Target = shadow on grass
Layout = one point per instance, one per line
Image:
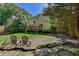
(39, 33)
(32, 33)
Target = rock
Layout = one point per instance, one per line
(54, 51)
(41, 46)
(42, 52)
(64, 52)
(51, 45)
(36, 52)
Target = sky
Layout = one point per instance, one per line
(33, 8)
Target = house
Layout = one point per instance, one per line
(38, 23)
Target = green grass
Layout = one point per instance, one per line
(19, 35)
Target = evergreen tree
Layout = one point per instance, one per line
(17, 26)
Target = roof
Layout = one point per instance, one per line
(39, 16)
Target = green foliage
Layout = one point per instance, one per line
(5, 13)
(17, 26)
(8, 10)
(60, 14)
(53, 29)
(46, 31)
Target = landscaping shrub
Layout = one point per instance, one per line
(53, 29)
(47, 31)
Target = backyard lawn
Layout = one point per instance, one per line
(19, 35)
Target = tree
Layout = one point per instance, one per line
(5, 13)
(9, 10)
(17, 26)
(66, 15)
(58, 14)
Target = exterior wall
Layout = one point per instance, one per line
(40, 21)
(4, 29)
(1, 29)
